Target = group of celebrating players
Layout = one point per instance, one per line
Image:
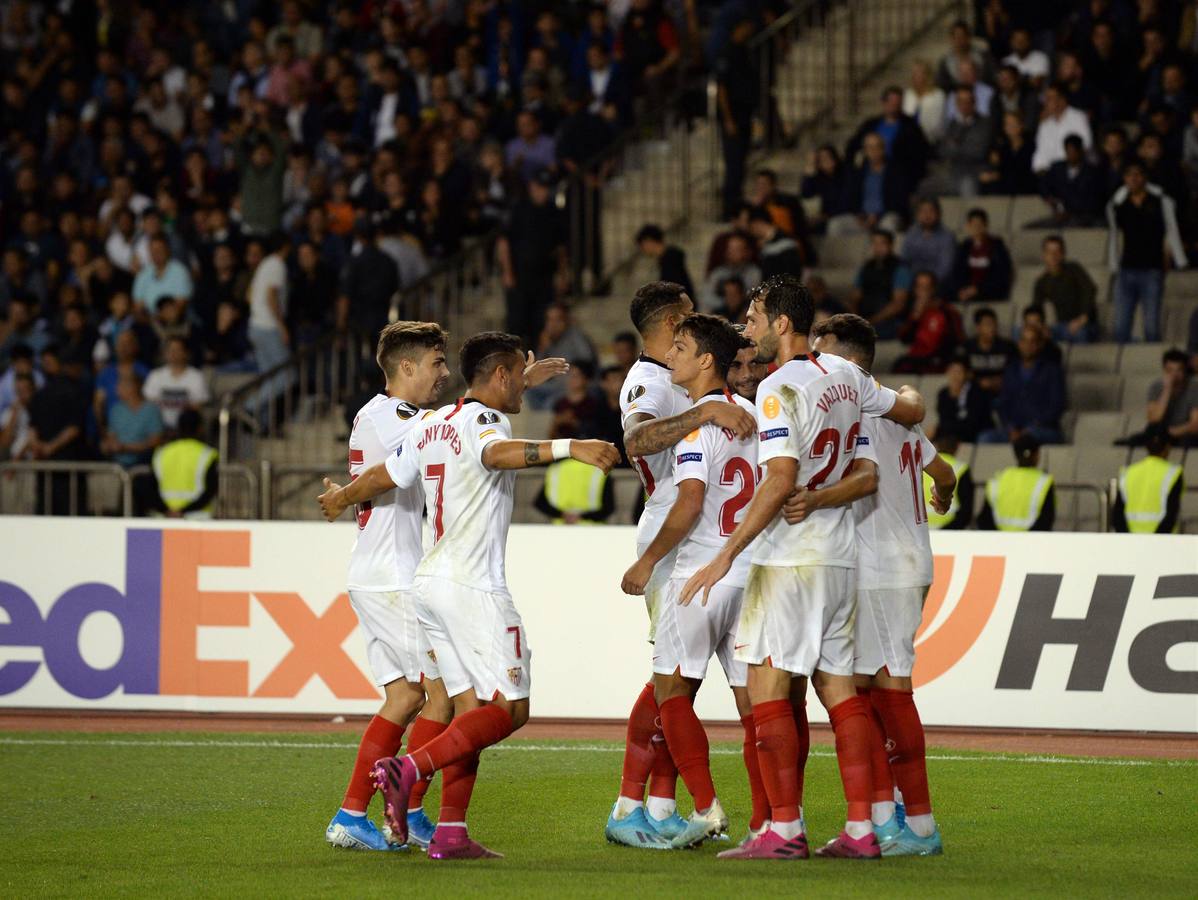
(784, 532)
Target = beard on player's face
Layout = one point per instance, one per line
(767, 347)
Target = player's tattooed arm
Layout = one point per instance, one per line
(771, 494)
(336, 499)
(645, 436)
(683, 515)
(517, 454)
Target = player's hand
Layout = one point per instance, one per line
(799, 505)
(637, 577)
(538, 372)
(599, 454)
(735, 419)
(705, 579)
(332, 501)
(940, 504)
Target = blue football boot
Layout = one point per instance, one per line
(420, 828)
(634, 830)
(908, 843)
(357, 833)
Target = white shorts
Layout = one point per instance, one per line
(396, 646)
(478, 638)
(886, 624)
(657, 586)
(800, 618)
(688, 636)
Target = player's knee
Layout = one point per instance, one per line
(667, 687)
(518, 710)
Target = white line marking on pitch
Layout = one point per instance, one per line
(565, 748)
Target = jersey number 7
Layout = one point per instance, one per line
(436, 472)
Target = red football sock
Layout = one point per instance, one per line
(663, 778)
(689, 748)
(850, 724)
(423, 731)
(638, 745)
(900, 719)
(381, 738)
(761, 803)
(457, 784)
(804, 730)
(777, 754)
(467, 734)
(879, 759)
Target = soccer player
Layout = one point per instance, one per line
(656, 414)
(381, 568)
(746, 373)
(894, 572)
(465, 458)
(714, 474)
(800, 599)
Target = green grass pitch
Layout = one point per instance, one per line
(244, 815)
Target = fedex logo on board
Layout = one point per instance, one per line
(160, 612)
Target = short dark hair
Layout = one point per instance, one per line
(484, 353)
(407, 340)
(610, 370)
(1173, 354)
(189, 423)
(650, 232)
(1157, 438)
(978, 213)
(1033, 310)
(882, 233)
(653, 299)
(1025, 447)
(625, 337)
(768, 173)
(1053, 239)
(758, 214)
(947, 438)
(984, 313)
(21, 351)
(853, 333)
(785, 295)
(585, 366)
(1074, 140)
(714, 335)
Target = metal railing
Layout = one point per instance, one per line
(1100, 493)
(64, 488)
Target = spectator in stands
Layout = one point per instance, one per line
(821, 298)
(1173, 399)
(1032, 399)
(1191, 346)
(261, 163)
(22, 326)
(1009, 162)
(649, 47)
(1148, 500)
(608, 422)
(312, 296)
(57, 429)
(1021, 497)
(1033, 317)
(576, 408)
(1079, 93)
(1057, 122)
(931, 328)
(1161, 167)
(184, 480)
(902, 137)
(784, 210)
(20, 364)
(982, 268)
(824, 180)
(163, 277)
(1073, 188)
(735, 300)
(15, 427)
(533, 262)
(625, 349)
(1030, 63)
(1011, 95)
(176, 385)
(738, 226)
(1110, 70)
(530, 151)
(560, 338)
(19, 279)
(924, 101)
(779, 253)
(134, 426)
(268, 296)
(875, 194)
(670, 259)
(963, 409)
(963, 48)
(581, 136)
(881, 287)
(738, 263)
(930, 245)
(1070, 291)
(125, 361)
(982, 94)
(737, 86)
(1142, 215)
(960, 512)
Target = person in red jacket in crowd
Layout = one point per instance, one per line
(933, 328)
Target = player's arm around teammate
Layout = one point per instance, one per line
(678, 524)
(861, 481)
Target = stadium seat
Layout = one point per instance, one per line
(929, 388)
(989, 458)
(952, 215)
(844, 252)
(1141, 359)
(1087, 246)
(1093, 358)
(1060, 461)
(840, 278)
(1096, 465)
(1024, 284)
(1027, 209)
(1135, 396)
(1025, 246)
(1182, 285)
(1098, 428)
(1175, 329)
(885, 353)
(1090, 391)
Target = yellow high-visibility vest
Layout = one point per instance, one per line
(1016, 497)
(181, 468)
(1145, 487)
(574, 487)
(935, 519)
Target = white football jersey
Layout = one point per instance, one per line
(389, 541)
(727, 466)
(469, 506)
(648, 389)
(893, 547)
(810, 410)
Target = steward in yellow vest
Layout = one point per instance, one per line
(960, 513)
(575, 493)
(1149, 497)
(1020, 498)
(186, 473)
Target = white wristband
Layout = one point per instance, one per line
(560, 448)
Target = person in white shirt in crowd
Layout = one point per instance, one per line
(983, 94)
(268, 309)
(924, 102)
(177, 385)
(1032, 64)
(1057, 122)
